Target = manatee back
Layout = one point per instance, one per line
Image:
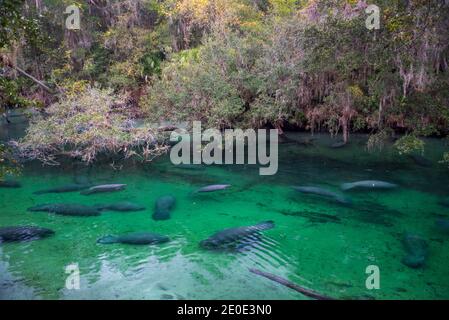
(23, 233)
(163, 207)
(416, 249)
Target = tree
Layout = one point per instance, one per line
(88, 125)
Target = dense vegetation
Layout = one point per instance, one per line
(304, 65)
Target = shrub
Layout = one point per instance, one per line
(409, 144)
(84, 126)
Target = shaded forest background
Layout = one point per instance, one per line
(293, 65)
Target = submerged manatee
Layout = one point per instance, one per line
(163, 207)
(417, 251)
(214, 187)
(230, 238)
(65, 188)
(104, 188)
(444, 202)
(443, 225)
(123, 206)
(10, 184)
(421, 160)
(67, 209)
(138, 238)
(338, 145)
(323, 192)
(23, 233)
(368, 184)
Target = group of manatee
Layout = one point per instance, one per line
(343, 199)
(416, 248)
(162, 210)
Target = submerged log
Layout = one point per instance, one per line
(291, 285)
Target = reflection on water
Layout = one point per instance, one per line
(320, 244)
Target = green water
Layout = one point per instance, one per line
(316, 243)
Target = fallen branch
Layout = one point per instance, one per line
(291, 285)
(37, 81)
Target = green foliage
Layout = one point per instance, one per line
(14, 25)
(283, 7)
(311, 69)
(310, 64)
(91, 123)
(8, 165)
(151, 63)
(408, 144)
(213, 84)
(10, 94)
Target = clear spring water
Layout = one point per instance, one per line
(316, 243)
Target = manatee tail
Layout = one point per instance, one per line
(266, 225)
(40, 192)
(347, 186)
(108, 240)
(86, 192)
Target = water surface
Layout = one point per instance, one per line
(318, 244)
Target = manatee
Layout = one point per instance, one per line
(233, 237)
(167, 128)
(443, 225)
(417, 251)
(444, 202)
(420, 160)
(322, 192)
(123, 206)
(339, 144)
(163, 207)
(67, 209)
(214, 187)
(104, 188)
(368, 184)
(23, 233)
(138, 238)
(65, 188)
(10, 184)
